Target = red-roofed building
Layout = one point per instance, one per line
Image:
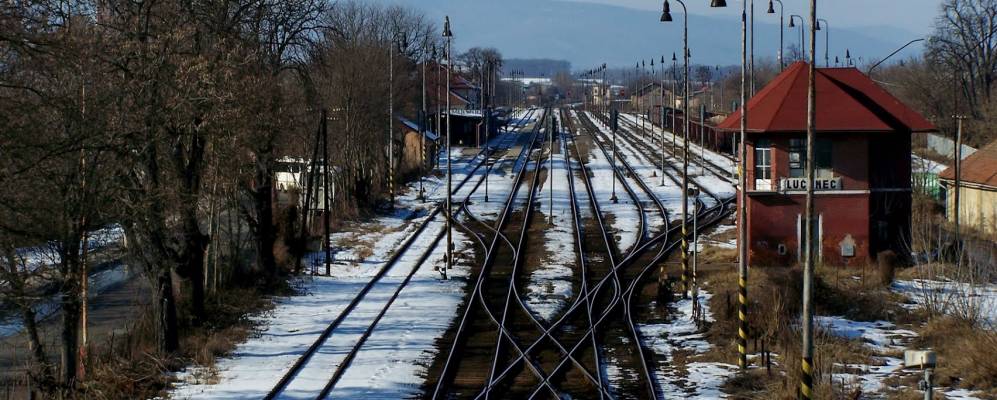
(862, 155)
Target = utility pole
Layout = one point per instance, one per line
(448, 34)
(742, 218)
(958, 189)
(423, 121)
(807, 381)
(326, 198)
(391, 119)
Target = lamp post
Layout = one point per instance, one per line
(672, 107)
(827, 39)
(666, 16)
(448, 34)
(782, 14)
(793, 25)
(662, 101)
(742, 262)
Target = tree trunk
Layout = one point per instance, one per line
(70, 327)
(169, 340)
(263, 202)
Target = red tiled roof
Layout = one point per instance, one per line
(979, 168)
(847, 101)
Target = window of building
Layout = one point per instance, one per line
(823, 150)
(763, 164)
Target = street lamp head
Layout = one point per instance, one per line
(791, 24)
(673, 57)
(662, 60)
(771, 8)
(446, 28)
(718, 3)
(817, 27)
(666, 13)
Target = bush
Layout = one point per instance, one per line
(888, 262)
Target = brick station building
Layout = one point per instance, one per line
(863, 173)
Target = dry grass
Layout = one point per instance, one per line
(774, 308)
(130, 367)
(965, 354)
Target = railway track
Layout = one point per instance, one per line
(288, 378)
(500, 349)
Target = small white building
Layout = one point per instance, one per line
(290, 181)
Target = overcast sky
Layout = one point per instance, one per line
(916, 16)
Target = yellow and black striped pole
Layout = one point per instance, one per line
(742, 322)
(807, 370)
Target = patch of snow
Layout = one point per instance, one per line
(951, 297)
(701, 380)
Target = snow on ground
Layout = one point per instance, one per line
(700, 380)
(883, 337)
(710, 239)
(951, 297)
(721, 186)
(394, 360)
(670, 193)
(888, 342)
(623, 217)
(550, 289)
(723, 161)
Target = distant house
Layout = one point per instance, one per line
(289, 185)
(416, 148)
(977, 190)
(924, 176)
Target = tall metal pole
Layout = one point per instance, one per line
(672, 106)
(958, 189)
(663, 110)
(807, 381)
(751, 66)
(326, 198)
(391, 120)
(782, 13)
(826, 27)
(424, 120)
(439, 111)
(685, 152)
(449, 55)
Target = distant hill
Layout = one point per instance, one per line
(588, 34)
(537, 67)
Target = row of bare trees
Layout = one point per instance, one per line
(169, 117)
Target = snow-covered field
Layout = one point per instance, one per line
(392, 363)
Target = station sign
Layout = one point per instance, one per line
(800, 184)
